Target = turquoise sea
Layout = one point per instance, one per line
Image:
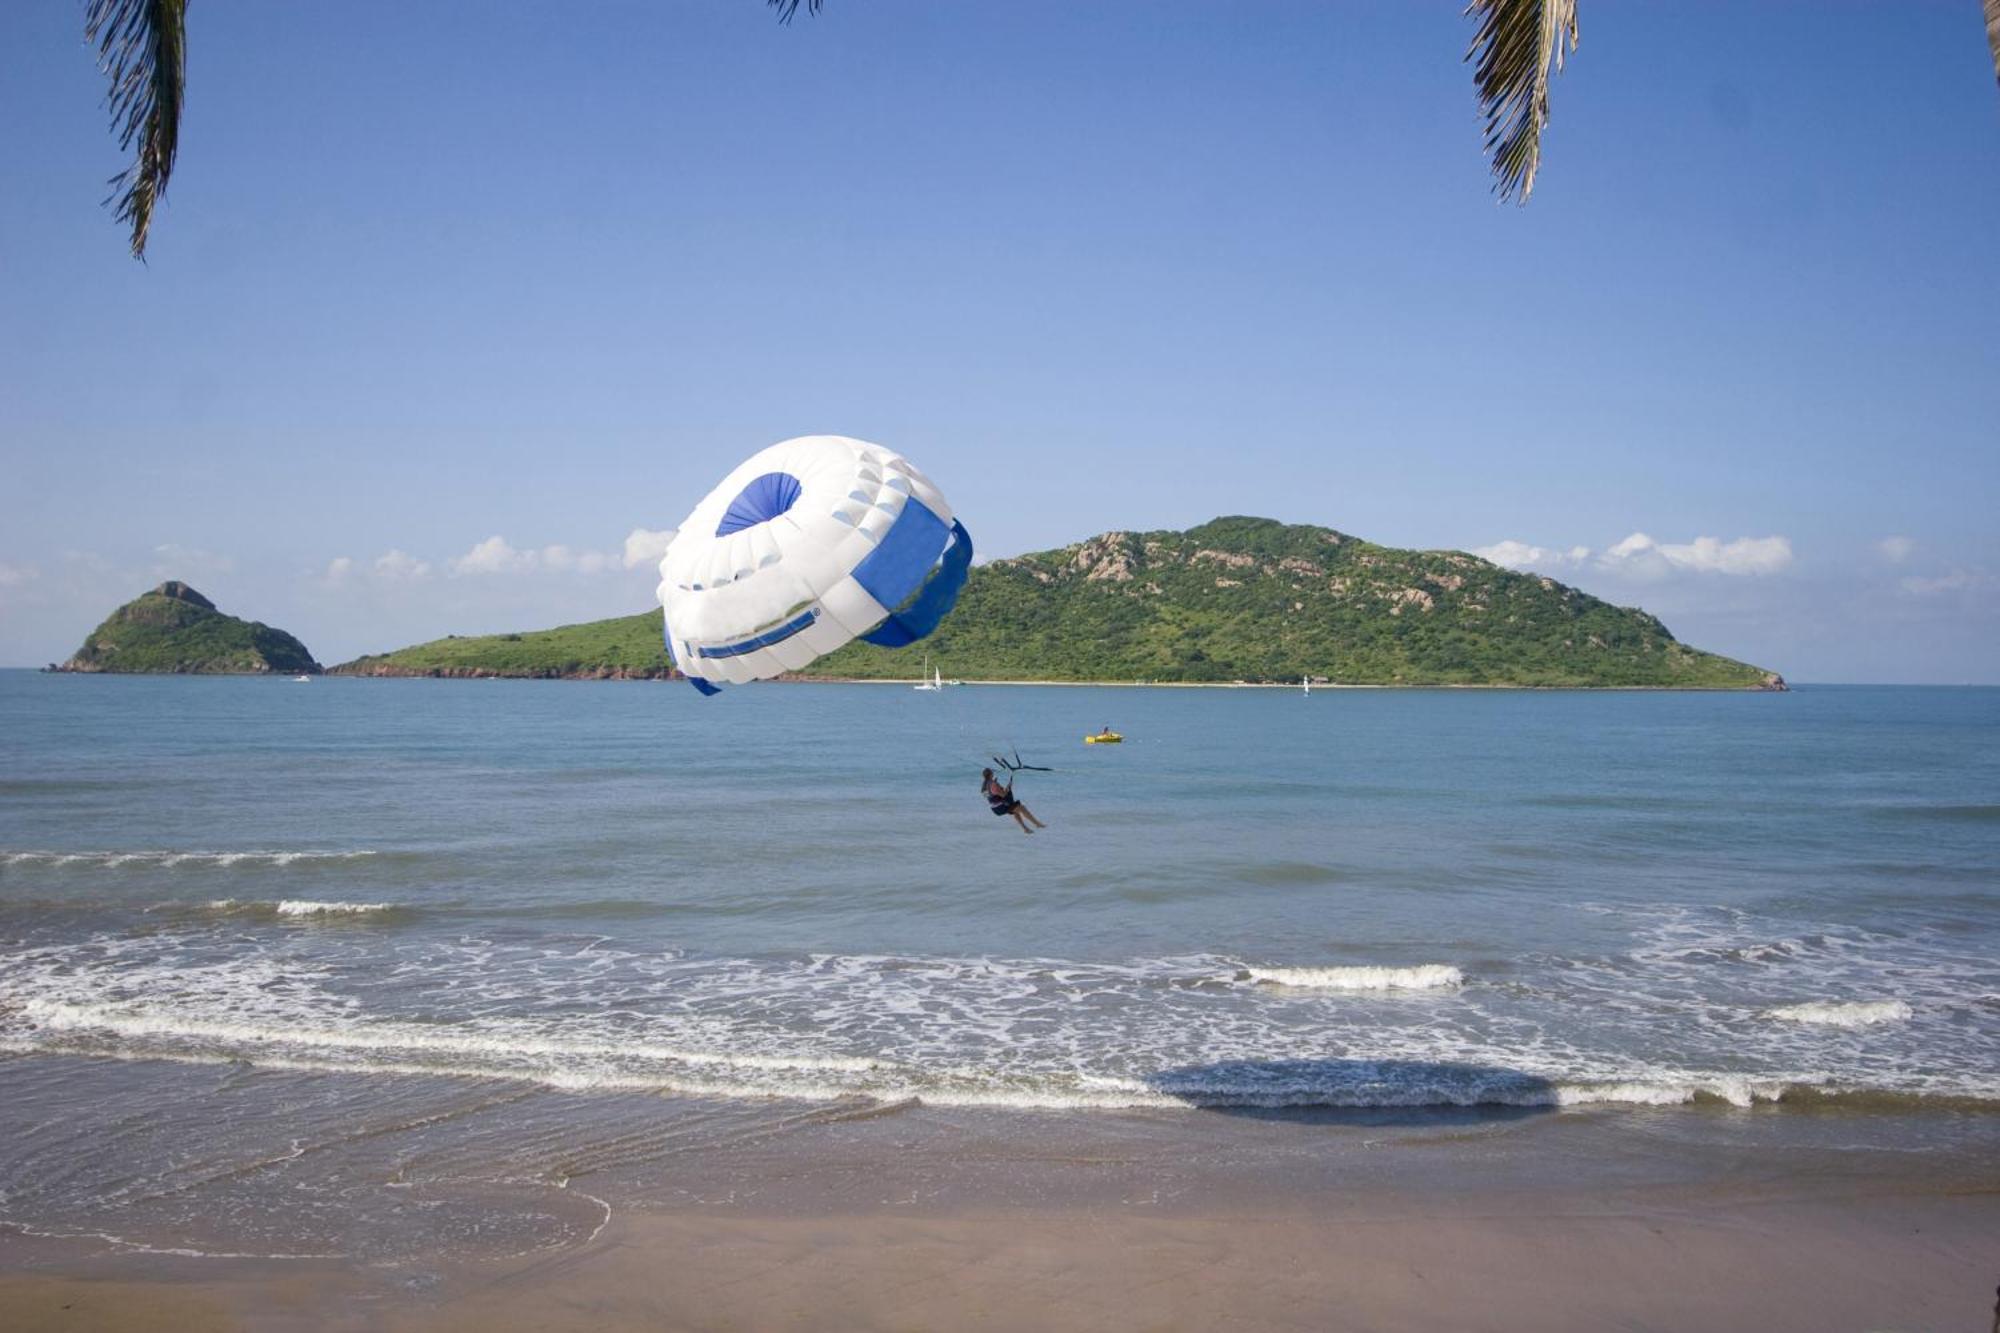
(424, 915)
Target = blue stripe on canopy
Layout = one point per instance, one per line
(764, 640)
(701, 686)
(902, 560)
(762, 500)
(938, 597)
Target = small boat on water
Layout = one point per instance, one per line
(1106, 737)
(302, 680)
(936, 681)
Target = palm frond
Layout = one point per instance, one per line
(1993, 34)
(142, 47)
(1518, 45)
(787, 8)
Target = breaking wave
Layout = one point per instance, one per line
(1424, 976)
(1190, 1030)
(518, 1052)
(305, 907)
(170, 859)
(1854, 1014)
(299, 909)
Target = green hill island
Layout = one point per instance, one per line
(175, 630)
(1236, 600)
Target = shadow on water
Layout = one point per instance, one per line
(1423, 1093)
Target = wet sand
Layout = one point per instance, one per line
(1681, 1220)
(1927, 1262)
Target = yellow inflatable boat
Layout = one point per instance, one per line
(1103, 738)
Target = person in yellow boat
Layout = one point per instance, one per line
(1107, 730)
(1003, 802)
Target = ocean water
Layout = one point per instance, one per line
(246, 922)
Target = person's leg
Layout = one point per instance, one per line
(1017, 812)
(1031, 816)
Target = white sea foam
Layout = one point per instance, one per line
(1424, 976)
(1854, 1014)
(118, 860)
(306, 907)
(303, 909)
(1033, 1033)
(496, 1050)
(142, 1247)
(1673, 1091)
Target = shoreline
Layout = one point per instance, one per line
(481, 673)
(1294, 685)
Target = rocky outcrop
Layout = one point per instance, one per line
(1106, 558)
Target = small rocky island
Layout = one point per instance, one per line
(175, 630)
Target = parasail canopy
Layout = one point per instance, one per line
(809, 545)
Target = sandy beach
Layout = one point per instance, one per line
(1883, 1261)
(1806, 1221)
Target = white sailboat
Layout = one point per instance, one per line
(1305, 685)
(936, 680)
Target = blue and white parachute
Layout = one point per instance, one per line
(809, 545)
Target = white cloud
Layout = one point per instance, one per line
(1511, 554)
(1896, 549)
(495, 556)
(13, 576)
(1640, 555)
(646, 546)
(1959, 580)
(398, 565)
(392, 566)
(565, 561)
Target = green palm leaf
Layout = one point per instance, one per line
(1519, 43)
(1993, 33)
(142, 47)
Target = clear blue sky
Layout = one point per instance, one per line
(433, 274)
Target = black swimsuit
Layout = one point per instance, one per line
(1000, 799)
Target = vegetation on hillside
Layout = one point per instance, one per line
(1236, 599)
(175, 629)
(626, 648)
(1252, 599)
